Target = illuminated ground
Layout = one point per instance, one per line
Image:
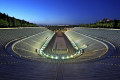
(60, 45)
(20, 58)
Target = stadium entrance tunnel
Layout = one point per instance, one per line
(68, 47)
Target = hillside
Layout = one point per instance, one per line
(105, 23)
(7, 21)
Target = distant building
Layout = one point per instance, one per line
(105, 20)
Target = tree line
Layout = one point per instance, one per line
(105, 23)
(7, 21)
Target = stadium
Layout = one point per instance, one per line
(28, 54)
(59, 39)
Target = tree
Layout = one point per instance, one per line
(7, 21)
(118, 24)
(3, 23)
(10, 22)
(115, 23)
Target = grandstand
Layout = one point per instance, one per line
(26, 54)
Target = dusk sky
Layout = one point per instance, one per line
(54, 12)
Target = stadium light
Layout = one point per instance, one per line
(67, 57)
(52, 57)
(63, 57)
(56, 57)
(71, 56)
(47, 55)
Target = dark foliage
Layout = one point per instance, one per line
(105, 23)
(7, 21)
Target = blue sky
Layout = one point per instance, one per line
(54, 12)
